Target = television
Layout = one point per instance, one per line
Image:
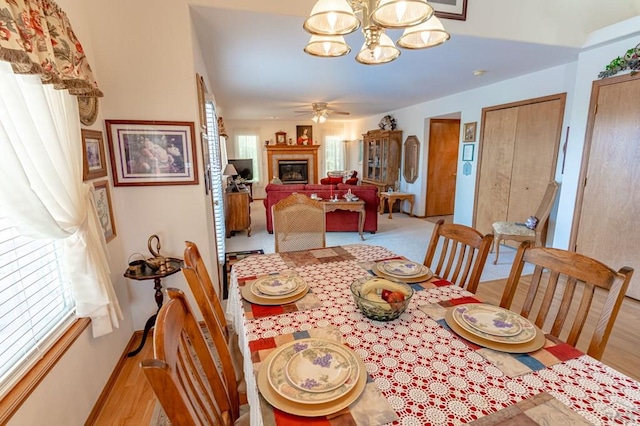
(244, 167)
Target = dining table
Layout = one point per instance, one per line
(418, 370)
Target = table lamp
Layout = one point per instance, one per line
(229, 171)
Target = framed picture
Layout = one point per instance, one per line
(450, 9)
(360, 150)
(304, 135)
(470, 132)
(202, 89)
(102, 198)
(94, 160)
(152, 152)
(281, 137)
(467, 152)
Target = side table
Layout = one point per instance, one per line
(156, 276)
(353, 206)
(391, 198)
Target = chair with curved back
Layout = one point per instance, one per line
(558, 279)
(298, 223)
(514, 231)
(209, 304)
(462, 252)
(183, 373)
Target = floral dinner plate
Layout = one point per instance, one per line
(402, 268)
(319, 369)
(278, 285)
(494, 323)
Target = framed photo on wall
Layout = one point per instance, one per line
(450, 9)
(102, 198)
(304, 135)
(94, 160)
(470, 132)
(152, 152)
(467, 152)
(202, 112)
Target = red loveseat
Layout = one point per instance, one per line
(340, 220)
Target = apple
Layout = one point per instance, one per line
(385, 294)
(395, 297)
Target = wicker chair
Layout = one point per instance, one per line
(462, 252)
(184, 374)
(568, 277)
(298, 224)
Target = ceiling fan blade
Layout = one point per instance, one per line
(340, 112)
(303, 112)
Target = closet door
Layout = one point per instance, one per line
(519, 148)
(607, 221)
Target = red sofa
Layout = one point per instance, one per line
(340, 220)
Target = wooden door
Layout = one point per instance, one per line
(518, 154)
(607, 217)
(441, 173)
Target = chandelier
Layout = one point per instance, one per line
(330, 20)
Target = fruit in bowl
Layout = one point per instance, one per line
(381, 299)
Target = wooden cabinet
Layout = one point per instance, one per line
(237, 212)
(381, 158)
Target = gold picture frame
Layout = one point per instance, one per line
(94, 161)
(469, 134)
(281, 137)
(102, 198)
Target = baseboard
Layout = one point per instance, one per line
(108, 387)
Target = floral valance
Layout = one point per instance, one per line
(36, 38)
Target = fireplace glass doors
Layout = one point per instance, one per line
(293, 171)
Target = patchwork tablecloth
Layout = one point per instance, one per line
(427, 374)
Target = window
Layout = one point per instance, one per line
(248, 146)
(215, 162)
(35, 299)
(334, 150)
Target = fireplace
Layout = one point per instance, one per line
(308, 154)
(293, 171)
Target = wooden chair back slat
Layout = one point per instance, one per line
(571, 279)
(461, 253)
(183, 373)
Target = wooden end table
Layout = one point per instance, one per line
(391, 198)
(352, 206)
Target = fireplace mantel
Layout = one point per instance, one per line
(277, 153)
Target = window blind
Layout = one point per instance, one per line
(215, 163)
(35, 300)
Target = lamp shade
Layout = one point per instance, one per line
(428, 34)
(384, 52)
(327, 46)
(331, 17)
(401, 13)
(229, 170)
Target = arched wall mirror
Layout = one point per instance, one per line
(411, 159)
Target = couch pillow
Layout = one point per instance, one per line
(316, 187)
(331, 180)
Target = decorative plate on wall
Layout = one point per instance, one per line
(88, 108)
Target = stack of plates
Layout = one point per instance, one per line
(404, 270)
(312, 377)
(275, 290)
(495, 328)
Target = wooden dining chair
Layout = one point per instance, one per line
(461, 253)
(210, 307)
(183, 373)
(516, 231)
(298, 223)
(558, 279)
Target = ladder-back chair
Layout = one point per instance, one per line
(298, 223)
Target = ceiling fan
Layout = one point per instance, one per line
(320, 112)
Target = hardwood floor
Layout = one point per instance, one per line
(131, 400)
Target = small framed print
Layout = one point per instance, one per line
(202, 90)
(467, 152)
(470, 132)
(94, 161)
(152, 152)
(102, 198)
(281, 138)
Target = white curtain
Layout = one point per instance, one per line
(334, 149)
(41, 188)
(247, 145)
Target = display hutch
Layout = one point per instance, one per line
(381, 158)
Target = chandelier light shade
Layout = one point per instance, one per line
(428, 34)
(331, 17)
(401, 13)
(327, 46)
(378, 53)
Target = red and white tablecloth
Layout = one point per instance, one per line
(427, 374)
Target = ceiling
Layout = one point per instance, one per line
(257, 69)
